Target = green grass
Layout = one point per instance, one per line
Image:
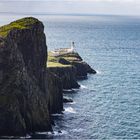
(19, 24)
(56, 64)
(53, 61)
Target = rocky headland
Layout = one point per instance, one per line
(31, 79)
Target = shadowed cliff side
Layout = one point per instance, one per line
(55, 96)
(23, 88)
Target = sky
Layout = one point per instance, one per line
(111, 7)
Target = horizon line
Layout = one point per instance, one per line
(67, 14)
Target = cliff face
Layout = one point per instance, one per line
(67, 75)
(69, 67)
(82, 68)
(55, 94)
(23, 88)
(29, 91)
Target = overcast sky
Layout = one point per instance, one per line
(119, 7)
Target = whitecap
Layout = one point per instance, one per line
(69, 110)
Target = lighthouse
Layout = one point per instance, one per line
(72, 46)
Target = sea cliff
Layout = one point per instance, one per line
(23, 88)
(32, 80)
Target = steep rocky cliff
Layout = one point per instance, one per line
(55, 93)
(69, 67)
(29, 90)
(23, 88)
(67, 75)
(74, 59)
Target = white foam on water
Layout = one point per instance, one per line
(54, 133)
(63, 132)
(56, 114)
(13, 137)
(98, 72)
(69, 110)
(77, 130)
(43, 133)
(26, 137)
(8, 137)
(75, 89)
(71, 103)
(69, 90)
(83, 87)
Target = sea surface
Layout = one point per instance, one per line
(107, 106)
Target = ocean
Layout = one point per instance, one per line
(107, 106)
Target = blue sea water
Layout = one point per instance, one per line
(107, 106)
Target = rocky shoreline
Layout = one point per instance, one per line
(32, 80)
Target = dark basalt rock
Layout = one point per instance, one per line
(67, 75)
(67, 100)
(63, 61)
(82, 69)
(55, 96)
(23, 90)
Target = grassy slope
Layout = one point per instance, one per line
(53, 60)
(19, 24)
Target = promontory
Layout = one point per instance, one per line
(31, 79)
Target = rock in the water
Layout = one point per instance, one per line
(67, 100)
(23, 90)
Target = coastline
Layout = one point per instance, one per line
(34, 87)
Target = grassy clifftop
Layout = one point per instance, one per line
(18, 24)
(53, 61)
(71, 59)
(63, 60)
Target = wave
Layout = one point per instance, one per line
(83, 87)
(56, 114)
(70, 90)
(13, 137)
(70, 110)
(77, 130)
(67, 90)
(62, 132)
(71, 103)
(98, 72)
(26, 137)
(54, 133)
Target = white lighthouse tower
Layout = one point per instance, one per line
(72, 46)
